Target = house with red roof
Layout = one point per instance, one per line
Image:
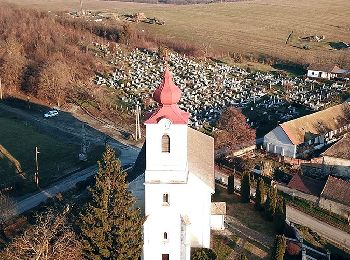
(335, 196)
(302, 136)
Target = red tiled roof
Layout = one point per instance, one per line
(306, 184)
(337, 190)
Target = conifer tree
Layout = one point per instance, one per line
(279, 247)
(260, 194)
(230, 184)
(245, 188)
(111, 227)
(270, 204)
(280, 215)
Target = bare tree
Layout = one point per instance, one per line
(233, 131)
(51, 238)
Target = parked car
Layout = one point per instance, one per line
(51, 113)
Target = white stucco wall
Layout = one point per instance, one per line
(276, 141)
(319, 74)
(217, 222)
(189, 198)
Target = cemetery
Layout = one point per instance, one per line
(266, 98)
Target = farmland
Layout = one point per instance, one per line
(256, 29)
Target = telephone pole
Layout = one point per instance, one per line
(1, 96)
(137, 125)
(36, 176)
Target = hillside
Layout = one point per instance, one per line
(254, 30)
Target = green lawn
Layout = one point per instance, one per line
(20, 139)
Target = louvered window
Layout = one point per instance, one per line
(166, 144)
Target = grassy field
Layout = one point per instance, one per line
(56, 158)
(258, 27)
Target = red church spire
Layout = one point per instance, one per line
(168, 95)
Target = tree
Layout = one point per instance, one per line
(51, 238)
(242, 257)
(230, 184)
(54, 79)
(111, 226)
(233, 131)
(267, 169)
(260, 195)
(279, 247)
(245, 188)
(270, 204)
(280, 215)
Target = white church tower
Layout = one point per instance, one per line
(179, 180)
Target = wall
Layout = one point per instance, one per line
(297, 193)
(278, 142)
(337, 166)
(335, 207)
(217, 222)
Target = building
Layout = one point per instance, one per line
(337, 157)
(303, 135)
(335, 196)
(327, 71)
(178, 165)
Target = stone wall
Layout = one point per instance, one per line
(334, 207)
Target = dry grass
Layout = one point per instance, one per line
(259, 27)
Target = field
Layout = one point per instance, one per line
(56, 157)
(258, 28)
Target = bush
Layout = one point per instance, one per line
(203, 254)
(293, 249)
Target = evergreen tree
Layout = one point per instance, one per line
(279, 247)
(230, 184)
(245, 188)
(280, 215)
(270, 204)
(111, 227)
(260, 194)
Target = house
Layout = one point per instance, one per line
(335, 196)
(325, 71)
(178, 166)
(303, 135)
(337, 157)
(306, 184)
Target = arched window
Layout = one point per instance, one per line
(165, 236)
(165, 144)
(165, 198)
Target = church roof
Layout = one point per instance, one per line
(218, 208)
(200, 156)
(168, 95)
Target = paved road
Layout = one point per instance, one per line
(331, 233)
(128, 155)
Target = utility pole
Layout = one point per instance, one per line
(0, 90)
(137, 125)
(36, 176)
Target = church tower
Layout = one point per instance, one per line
(179, 180)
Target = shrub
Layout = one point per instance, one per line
(203, 254)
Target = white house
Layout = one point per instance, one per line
(178, 165)
(303, 135)
(327, 71)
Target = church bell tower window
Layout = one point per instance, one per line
(165, 144)
(166, 198)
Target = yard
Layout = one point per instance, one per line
(56, 159)
(249, 232)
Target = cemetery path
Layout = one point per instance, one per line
(331, 233)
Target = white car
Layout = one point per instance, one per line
(51, 113)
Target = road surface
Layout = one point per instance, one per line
(331, 233)
(128, 155)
